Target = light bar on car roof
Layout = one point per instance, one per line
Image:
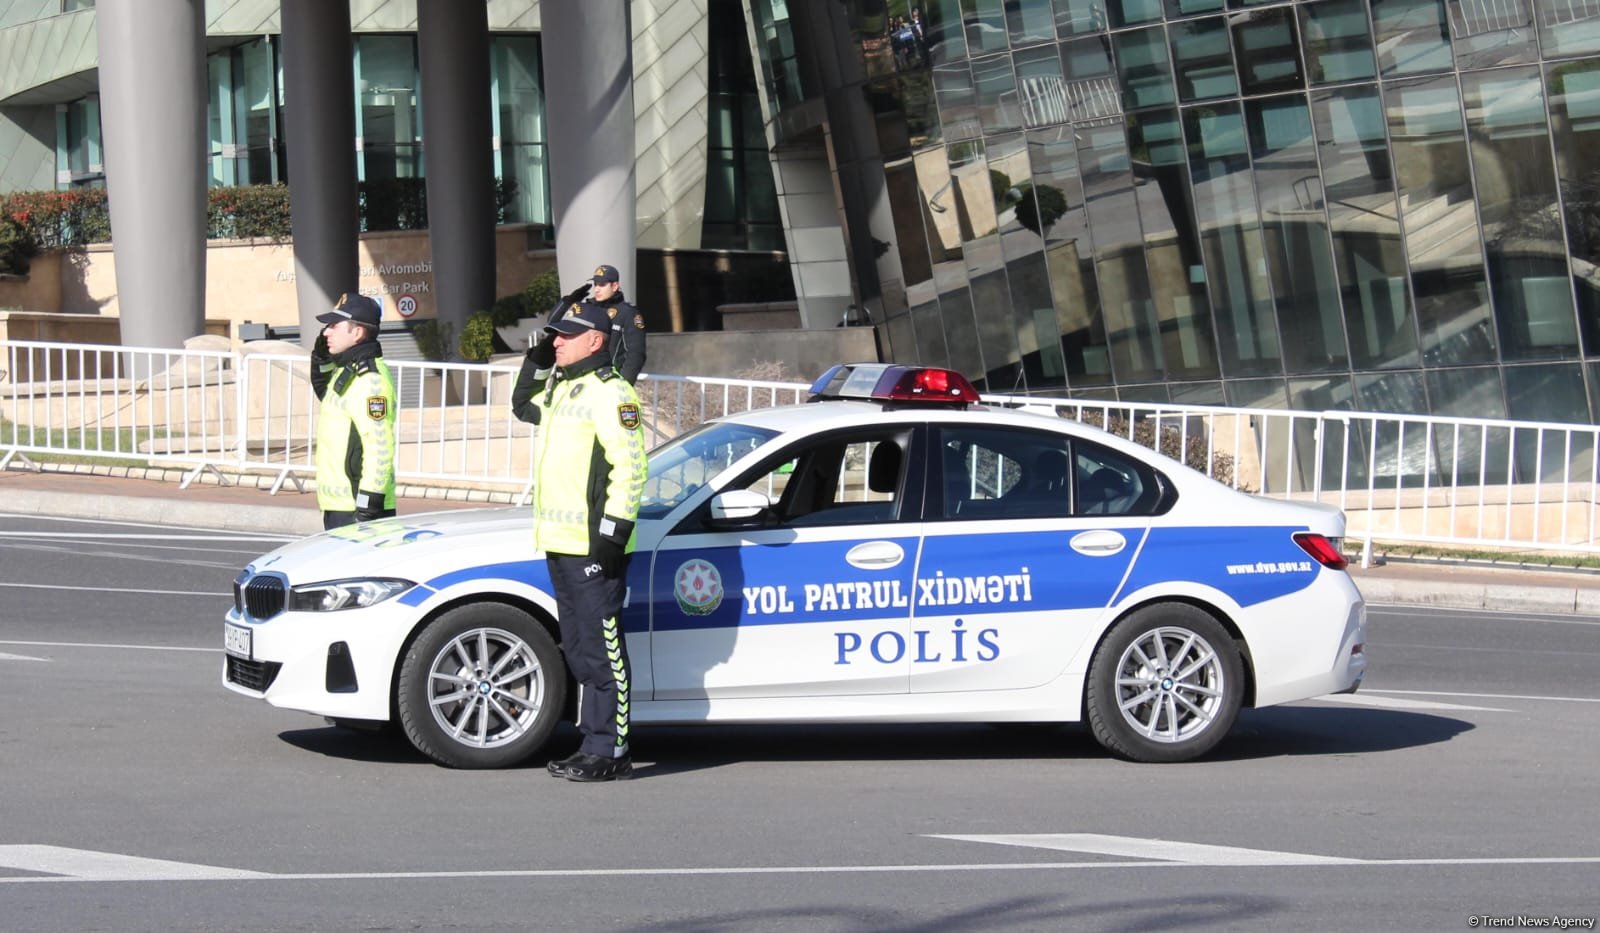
(889, 382)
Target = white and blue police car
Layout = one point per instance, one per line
(891, 551)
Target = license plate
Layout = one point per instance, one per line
(236, 639)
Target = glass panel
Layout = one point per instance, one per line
(996, 87)
(1298, 247)
(1202, 59)
(902, 45)
(258, 110)
(1092, 90)
(985, 22)
(1119, 253)
(957, 98)
(1269, 51)
(1178, 8)
(1142, 65)
(1516, 185)
(978, 188)
(1338, 41)
(1060, 215)
(520, 124)
(1079, 16)
(388, 98)
(774, 41)
(1491, 32)
(1180, 314)
(1568, 27)
(1133, 12)
(1032, 314)
(1553, 392)
(1256, 393)
(942, 31)
(1411, 36)
(219, 119)
(1440, 219)
(1574, 89)
(907, 202)
(1230, 237)
(1466, 393)
(1357, 189)
(1030, 21)
(1040, 88)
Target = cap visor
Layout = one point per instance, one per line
(566, 328)
(332, 317)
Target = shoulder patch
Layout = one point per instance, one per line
(628, 415)
(365, 366)
(611, 312)
(605, 374)
(638, 321)
(377, 407)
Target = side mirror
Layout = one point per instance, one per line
(739, 508)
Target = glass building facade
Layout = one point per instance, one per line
(1370, 204)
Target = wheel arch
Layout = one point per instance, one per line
(1216, 612)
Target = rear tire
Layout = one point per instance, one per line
(1165, 685)
(481, 687)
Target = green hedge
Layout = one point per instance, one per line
(80, 216)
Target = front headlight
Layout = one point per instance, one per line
(344, 594)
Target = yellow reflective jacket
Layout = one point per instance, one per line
(355, 431)
(588, 458)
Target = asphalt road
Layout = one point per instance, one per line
(137, 794)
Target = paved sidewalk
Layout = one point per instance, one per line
(140, 495)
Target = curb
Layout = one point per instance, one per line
(274, 519)
(1446, 594)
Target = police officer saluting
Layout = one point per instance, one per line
(355, 424)
(626, 341)
(589, 470)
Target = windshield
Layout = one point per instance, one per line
(685, 464)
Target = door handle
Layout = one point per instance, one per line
(1098, 543)
(875, 555)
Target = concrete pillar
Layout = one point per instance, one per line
(153, 114)
(454, 52)
(319, 126)
(588, 67)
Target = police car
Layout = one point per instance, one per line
(891, 551)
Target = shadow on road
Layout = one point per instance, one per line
(663, 750)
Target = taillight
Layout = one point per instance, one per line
(1322, 550)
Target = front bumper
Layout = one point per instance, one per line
(335, 664)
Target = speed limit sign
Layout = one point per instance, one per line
(407, 305)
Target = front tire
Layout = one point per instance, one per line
(1165, 685)
(481, 687)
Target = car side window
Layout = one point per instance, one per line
(989, 473)
(1109, 483)
(837, 481)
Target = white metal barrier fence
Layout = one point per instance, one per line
(1413, 478)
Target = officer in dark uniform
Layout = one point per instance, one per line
(626, 343)
(589, 462)
(355, 449)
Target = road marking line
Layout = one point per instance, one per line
(19, 657)
(111, 522)
(1485, 696)
(92, 536)
(1377, 702)
(84, 865)
(804, 869)
(83, 644)
(1160, 849)
(112, 589)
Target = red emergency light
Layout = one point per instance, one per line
(889, 382)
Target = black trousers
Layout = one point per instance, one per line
(332, 520)
(592, 639)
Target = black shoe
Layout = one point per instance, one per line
(595, 768)
(559, 768)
